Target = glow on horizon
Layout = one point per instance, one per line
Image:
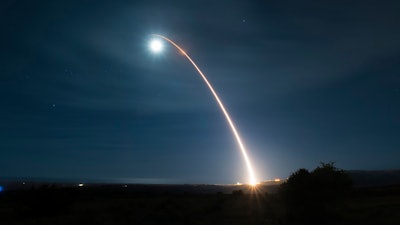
(252, 179)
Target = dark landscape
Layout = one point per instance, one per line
(373, 201)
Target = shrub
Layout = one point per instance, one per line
(308, 195)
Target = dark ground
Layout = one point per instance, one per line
(180, 204)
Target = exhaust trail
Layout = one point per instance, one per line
(252, 179)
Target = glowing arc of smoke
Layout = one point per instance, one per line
(221, 105)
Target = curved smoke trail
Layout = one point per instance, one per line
(228, 118)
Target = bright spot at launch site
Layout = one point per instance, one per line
(156, 45)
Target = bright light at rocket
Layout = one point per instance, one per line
(156, 47)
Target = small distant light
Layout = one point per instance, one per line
(238, 183)
(125, 186)
(23, 183)
(80, 185)
(277, 180)
(1, 188)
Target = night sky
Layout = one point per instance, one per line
(82, 96)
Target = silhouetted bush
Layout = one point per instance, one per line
(330, 182)
(308, 195)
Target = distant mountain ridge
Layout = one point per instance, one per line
(374, 178)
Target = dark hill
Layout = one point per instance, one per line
(375, 178)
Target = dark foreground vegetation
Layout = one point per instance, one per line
(321, 196)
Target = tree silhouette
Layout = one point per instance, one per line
(308, 195)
